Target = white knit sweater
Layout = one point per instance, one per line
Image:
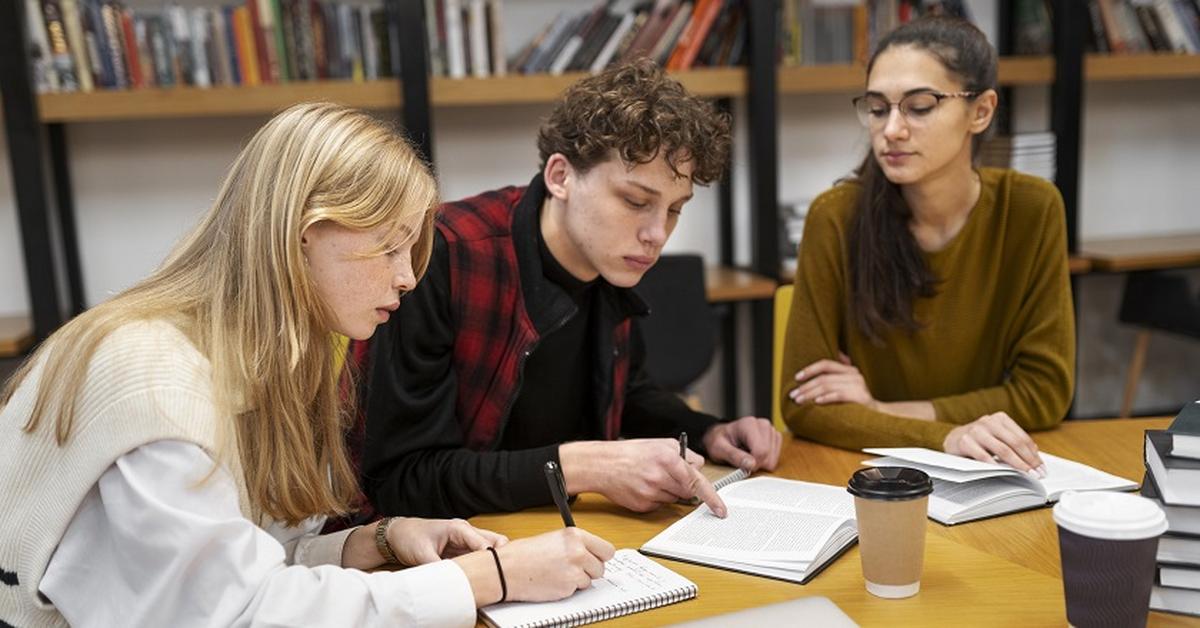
(146, 383)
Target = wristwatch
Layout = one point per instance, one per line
(381, 542)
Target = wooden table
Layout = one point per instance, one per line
(723, 284)
(997, 572)
(16, 335)
(1149, 253)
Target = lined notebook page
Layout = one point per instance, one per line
(631, 583)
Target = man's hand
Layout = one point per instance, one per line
(639, 474)
(749, 443)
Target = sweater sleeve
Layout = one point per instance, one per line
(1040, 377)
(814, 332)
(152, 546)
(415, 459)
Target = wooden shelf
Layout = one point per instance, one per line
(185, 102)
(1148, 253)
(1141, 67)
(16, 335)
(816, 79)
(1079, 265)
(546, 88)
(723, 284)
(197, 102)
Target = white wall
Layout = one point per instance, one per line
(140, 185)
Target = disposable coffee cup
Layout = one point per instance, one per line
(890, 504)
(1108, 542)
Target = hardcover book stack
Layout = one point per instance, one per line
(82, 45)
(1173, 480)
(1031, 153)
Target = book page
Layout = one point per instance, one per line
(769, 519)
(628, 577)
(1068, 475)
(944, 460)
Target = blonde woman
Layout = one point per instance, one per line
(167, 457)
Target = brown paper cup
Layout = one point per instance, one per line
(890, 505)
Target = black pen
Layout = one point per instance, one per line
(683, 446)
(558, 488)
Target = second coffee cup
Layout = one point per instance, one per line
(890, 504)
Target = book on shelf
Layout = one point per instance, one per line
(815, 32)
(784, 529)
(966, 490)
(1180, 519)
(1137, 26)
(1185, 432)
(631, 583)
(1176, 478)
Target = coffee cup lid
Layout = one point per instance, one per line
(890, 483)
(1108, 515)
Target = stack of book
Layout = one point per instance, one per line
(1173, 480)
(1031, 153)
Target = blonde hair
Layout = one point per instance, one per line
(239, 287)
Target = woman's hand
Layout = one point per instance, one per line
(553, 565)
(996, 436)
(417, 541)
(540, 568)
(829, 381)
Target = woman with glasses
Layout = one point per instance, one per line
(932, 303)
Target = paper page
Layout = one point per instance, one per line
(950, 499)
(770, 519)
(940, 473)
(628, 576)
(942, 459)
(1063, 475)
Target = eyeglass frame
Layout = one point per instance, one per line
(940, 96)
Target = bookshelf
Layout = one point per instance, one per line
(760, 84)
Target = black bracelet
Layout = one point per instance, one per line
(500, 570)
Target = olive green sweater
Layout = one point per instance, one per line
(998, 336)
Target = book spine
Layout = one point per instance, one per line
(61, 57)
(248, 64)
(614, 41)
(202, 75)
(45, 77)
(370, 49)
(496, 37)
(95, 34)
(291, 45)
(476, 24)
(130, 43)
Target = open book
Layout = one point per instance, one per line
(966, 489)
(777, 528)
(720, 476)
(631, 583)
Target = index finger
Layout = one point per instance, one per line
(819, 367)
(597, 546)
(694, 484)
(1020, 441)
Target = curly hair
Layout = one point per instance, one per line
(637, 111)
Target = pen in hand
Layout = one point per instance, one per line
(683, 445)
(558, 489)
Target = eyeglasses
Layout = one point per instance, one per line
(873, 110)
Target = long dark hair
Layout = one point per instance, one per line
(887, 270)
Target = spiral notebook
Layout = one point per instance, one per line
(632, 583)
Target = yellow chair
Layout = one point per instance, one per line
(783, 307)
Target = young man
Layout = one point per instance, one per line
(521, 346)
